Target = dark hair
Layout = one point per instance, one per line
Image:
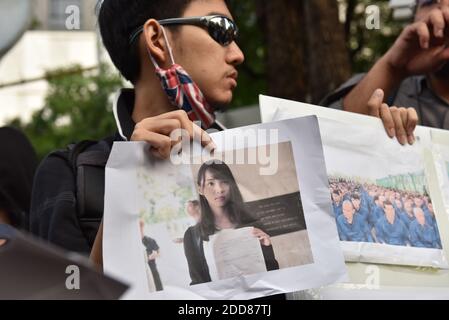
(388, 203)
(195, 202)
(117, 20)
(235, 207)
(355, 196)
(18, 164)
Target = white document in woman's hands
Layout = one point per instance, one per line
(236, 252)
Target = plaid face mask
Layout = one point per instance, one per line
(183, 92)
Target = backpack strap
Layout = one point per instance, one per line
(88, 160)
(76, 149)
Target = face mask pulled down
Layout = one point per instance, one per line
(183, 92)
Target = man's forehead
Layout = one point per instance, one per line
(207, 7)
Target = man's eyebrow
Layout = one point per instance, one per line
(214, 13)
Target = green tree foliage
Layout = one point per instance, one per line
(78, 103)
(364, 46)
(77, 107)
(367, 46)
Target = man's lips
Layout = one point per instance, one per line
(233, 75)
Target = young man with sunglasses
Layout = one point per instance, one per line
(181, 57)
(413, 73)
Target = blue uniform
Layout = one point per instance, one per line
(365, 200)
(363, 213)
(423, 236)
(394, 234)
(406, 218)
(337, 209)
(356, 231)
(430, 219)
(376, 213)
(437, 232)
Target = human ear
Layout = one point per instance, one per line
(200, 190)
(155, 41)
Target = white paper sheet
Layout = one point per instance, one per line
(366, 292)
(235, 253)
(440, 139)
(310, 257)
(357, 146)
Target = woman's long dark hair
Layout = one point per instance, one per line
(235, 207)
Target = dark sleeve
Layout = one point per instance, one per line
(270, 260)
(145, 243)
(155, 245)
(53, 214)
(335, 99)
(194, 258)
(150, 244)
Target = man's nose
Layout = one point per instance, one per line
(235, 55)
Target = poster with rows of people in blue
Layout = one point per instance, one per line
(383, 194)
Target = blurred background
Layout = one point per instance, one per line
(56, 81)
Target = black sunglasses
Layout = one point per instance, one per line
(424, 3)
(222, 29)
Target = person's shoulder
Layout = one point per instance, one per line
(413, 80)
(408, 90)
(380, 221)
(65, 156)
(413, 224)
(399, 220)
(12, 133)
(192, 233)
(358, 218)
(190, 230)
(333, 100)
(56, 172)
(146, 241)
(55, 162)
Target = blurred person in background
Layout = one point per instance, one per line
(414, 73)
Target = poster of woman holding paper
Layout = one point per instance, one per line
(223, 210)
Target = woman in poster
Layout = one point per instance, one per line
(222, 208)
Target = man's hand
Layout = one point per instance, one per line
(153, 255)
(157, 130)
(398, 122)
(96, 254)
(422, 47)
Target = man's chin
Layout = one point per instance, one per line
(221, 105)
